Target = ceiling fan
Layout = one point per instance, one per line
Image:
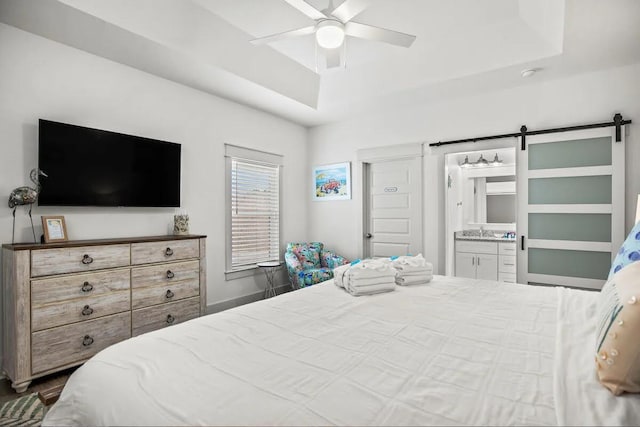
(333, 25)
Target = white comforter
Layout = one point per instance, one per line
(454, 351)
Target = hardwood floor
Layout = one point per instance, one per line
(39, 384)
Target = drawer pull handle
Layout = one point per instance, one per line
(170, 274)
(508, 264)
(168, 252)
(170, 294)
(86, 259)
(87, 311)
(87, 287)
(170, 319)
(87, 341)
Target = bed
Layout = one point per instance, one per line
(452, 352)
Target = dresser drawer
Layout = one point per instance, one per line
(163, 274)
(507, 263)
(78, 310)
(490, 248)
(154, 295)
(507, 248)
(171, 250)
(162, 283)
(69, 344)
(45, 262)
(160, 316)
(63, 288)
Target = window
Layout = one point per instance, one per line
(253, 207)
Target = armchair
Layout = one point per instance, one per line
(310, 263)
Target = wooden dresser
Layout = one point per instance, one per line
(64, 302)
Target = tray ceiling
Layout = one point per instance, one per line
(462, 47)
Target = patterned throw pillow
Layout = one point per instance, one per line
(629, 252)
(617, 343)
(309, 257)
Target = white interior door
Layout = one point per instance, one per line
(394, 208)
(570, 207)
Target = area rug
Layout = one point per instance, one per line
(25, 411)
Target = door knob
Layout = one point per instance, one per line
(368, 235)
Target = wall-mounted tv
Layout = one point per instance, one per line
(91, 167)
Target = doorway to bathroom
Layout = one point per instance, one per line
(480, 214)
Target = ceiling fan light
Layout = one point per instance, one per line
(330, 34)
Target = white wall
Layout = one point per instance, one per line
(43, 79)
(588, 98)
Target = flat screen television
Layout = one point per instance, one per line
(92, 167)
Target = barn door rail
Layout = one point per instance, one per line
(617, 122)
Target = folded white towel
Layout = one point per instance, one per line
(358, 282)
(412, 264)
(347, 273)
(371, 289)
(339, 275)
(413, 280)
(414, 270)
(408, 260)
(415, 273)
(365, 277)
(370, 268)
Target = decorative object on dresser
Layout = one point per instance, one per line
(25, 196)
(181, 224)
(63, 302)
(55, 229)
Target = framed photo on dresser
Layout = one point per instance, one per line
(55, 229)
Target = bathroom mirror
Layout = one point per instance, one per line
(491, 200)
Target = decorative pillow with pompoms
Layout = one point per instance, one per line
(617, 343)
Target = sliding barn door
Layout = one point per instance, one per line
(570, 207)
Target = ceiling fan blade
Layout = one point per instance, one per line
(350, 8)
(333, 57)
(307, 9)
(286, 35)
(370, 32)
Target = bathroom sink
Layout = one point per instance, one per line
(480, 233)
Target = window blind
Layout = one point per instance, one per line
(255, 213)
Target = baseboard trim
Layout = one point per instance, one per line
(246, 299)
